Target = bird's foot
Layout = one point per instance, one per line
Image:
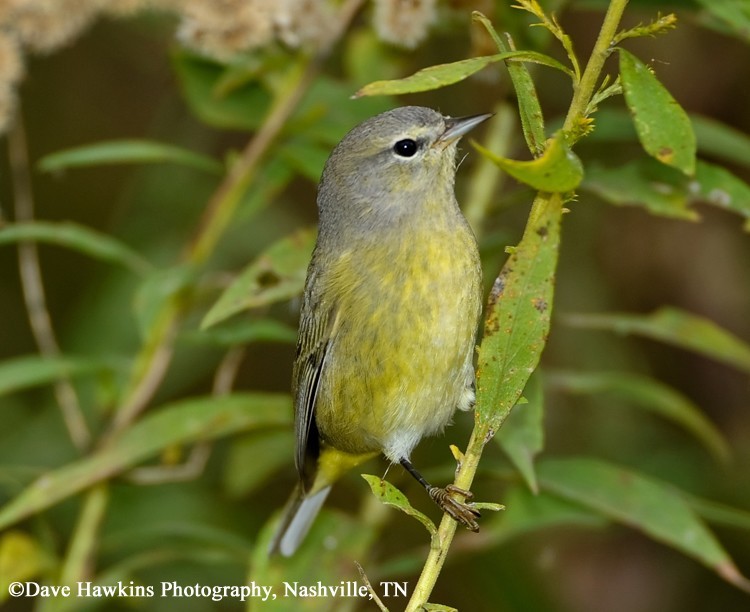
(460, 511)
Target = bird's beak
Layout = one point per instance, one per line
(456, 127)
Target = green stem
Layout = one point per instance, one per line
(586, 87)
(78, 560)
(482, 433)
(447, 528)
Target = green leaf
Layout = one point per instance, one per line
(127, 152)
(267, 452)
(277, 274)
(673, 326)
(667, 192)
(663, 127)
(720, 140)
(82, 239)
(648, 394)
(713, 137)
(529, 108)
(156, 290)
(184, 422)
(442, 75)
(529, 512)
(558, 169)
(326, 556)
(730, 16)
(34, 370)
(242, 332)
(639, 502)
(719, 514)
(202, 82)
(391, 496)
(717, 186)
(517, 316)
(522, 434)
(645, 182)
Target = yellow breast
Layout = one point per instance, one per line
(401, 356)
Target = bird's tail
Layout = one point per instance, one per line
(299, 514)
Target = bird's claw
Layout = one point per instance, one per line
(460, 512)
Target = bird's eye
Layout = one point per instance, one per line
(406, 147)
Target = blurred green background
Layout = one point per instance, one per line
(121, 80)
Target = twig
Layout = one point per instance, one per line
(373, 594)
(200, 453)
(480, 435)
(33, 286)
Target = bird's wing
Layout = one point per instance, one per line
(315, 334)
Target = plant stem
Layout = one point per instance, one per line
(32, 285)
(447, 528)
(482, 433)
(585, 88)
(156, 354)
(78, 560)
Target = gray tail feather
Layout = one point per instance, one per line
(299, 515)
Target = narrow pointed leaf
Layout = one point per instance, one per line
(243, 332)
(179, 423)
(128, 152)
(442, 75)
(643, 183)
(517, 316)
(522, 434)
(76, 237)
(557, 170)
(729, 17)
(34, 370)
(391, 496)
(648, 394)
(529, 512)
(663, 127)
(713, 137)
(674, 326)
(529, 108)
(277, 274)
(719, 514)
(267, 453)
(157, 290)
(666, 192)
(642, 503)
(720, 140)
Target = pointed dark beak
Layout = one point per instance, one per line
(456, 127)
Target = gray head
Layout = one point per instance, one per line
(400, 159)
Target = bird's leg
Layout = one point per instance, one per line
(460, 512)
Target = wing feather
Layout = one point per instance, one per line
(315, 334)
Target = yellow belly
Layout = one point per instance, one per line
(401, 358)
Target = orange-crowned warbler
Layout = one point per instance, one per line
(390, 309)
